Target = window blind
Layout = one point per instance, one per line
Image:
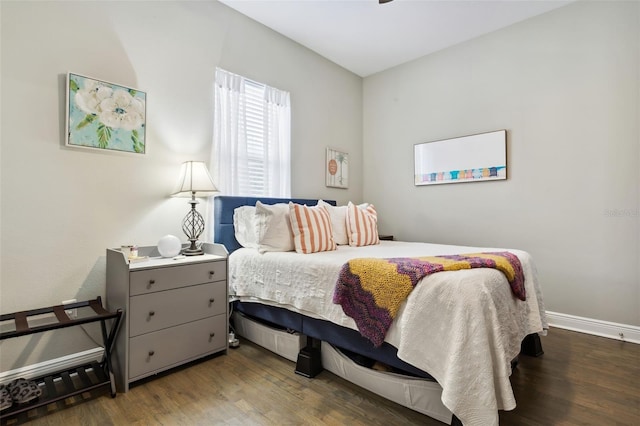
(252, 137)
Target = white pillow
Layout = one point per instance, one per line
(362, 225)
(311, 227)
(244, 224)
(273, 227)
(338, 222)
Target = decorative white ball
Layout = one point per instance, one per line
(169, 246)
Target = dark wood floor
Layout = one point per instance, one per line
(580, 380)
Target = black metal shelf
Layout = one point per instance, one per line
(76, 380)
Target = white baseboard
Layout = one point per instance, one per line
(611, 330)
(53, 365)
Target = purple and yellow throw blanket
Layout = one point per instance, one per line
(371, 290)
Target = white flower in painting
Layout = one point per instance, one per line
(89, 98)
(122, 110)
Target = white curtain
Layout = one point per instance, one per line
(229, 156)
(278, 146)
(229, 153)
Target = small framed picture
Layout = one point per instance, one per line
(337, 169)
(103, 115)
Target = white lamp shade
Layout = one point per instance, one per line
(194, 177)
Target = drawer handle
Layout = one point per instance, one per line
(151, 282)
(152, 313)
(211, 336)
(211, 273)
(211, 301)
(151, 353)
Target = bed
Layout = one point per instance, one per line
(466, 340)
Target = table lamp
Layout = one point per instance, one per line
(195, 181)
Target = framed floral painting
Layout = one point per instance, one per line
(103, 115)
(337, 169)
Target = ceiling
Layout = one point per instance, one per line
(366, 37)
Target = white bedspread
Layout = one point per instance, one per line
(462, 327)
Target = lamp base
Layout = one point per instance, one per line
(192, 252)
(193, 225)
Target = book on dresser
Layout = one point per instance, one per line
(175, 310)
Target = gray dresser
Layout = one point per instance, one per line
(175, 310)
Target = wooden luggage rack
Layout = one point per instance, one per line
(72, 381)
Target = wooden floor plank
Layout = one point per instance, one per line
(580, 380)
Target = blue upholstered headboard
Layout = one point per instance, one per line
(223, 207)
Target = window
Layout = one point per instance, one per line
(251, 138)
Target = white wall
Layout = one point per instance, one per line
(61, 207)
(564, 84)
(566, 87)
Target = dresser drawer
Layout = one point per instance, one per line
(162, 309)
(153, 352)
(158, 279)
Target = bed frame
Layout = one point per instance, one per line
(317, 330)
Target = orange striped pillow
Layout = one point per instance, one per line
(311, 228)
(362, 225)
